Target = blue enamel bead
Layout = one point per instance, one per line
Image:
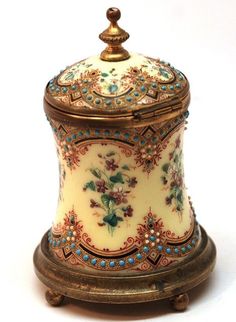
(131, 260)
(139, 256)
(103, 264)
(160, 247)
(152, 238)
(168, 250)
(72, 245)
(145, 249)
(122, 263)
(78, 251)
(93, 261)
(112, 264)
(86, 257)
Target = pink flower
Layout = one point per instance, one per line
(119, 196)
(128, 211)
(111, 165)
(94, 204)
(101, 186)
(132, 182)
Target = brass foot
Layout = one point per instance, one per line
(180, 302)
(54, 298)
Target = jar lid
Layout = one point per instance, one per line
(117, 88)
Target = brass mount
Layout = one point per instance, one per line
(114, 36)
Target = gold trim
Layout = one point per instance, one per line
(114, 36)
(132, 118)
(110, 287)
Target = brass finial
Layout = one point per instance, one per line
(114, 36)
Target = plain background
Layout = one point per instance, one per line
(38, 39)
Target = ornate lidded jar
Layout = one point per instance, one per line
(125, 229)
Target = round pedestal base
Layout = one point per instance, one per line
(170, 282)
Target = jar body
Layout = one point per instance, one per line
(122, 203)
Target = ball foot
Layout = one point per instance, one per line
(54, 298)
(180, 302)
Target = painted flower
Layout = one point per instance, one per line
(112, 180)
(118, 195)
(177, 142)
(101, 186)
(132, 182)
(128, 211)
(111, 165)
(94, 204)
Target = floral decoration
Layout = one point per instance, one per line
(114, 184)
(173, 178)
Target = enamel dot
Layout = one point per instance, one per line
(71, 227)
(122, 263)
(85, 257)
(78, 252)
(145, 249)
(152, 231)
(158, 234)
(176, 250)
(72, 245)
(103, 264)
(153, 244)
(74, 233)
(158, 240)
(93, 261)
(112, 264)
(73, 238)
(159, 247)
(146, 241)
(146, 235)
(168, 250)
(131, 260)
(139, 256)
(68, 238)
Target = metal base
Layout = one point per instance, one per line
(170, 282)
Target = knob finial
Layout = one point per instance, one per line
(114, 36)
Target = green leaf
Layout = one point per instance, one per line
(176, 158)
(90, 185)
(111, 219)
(165, 167)
(106, 200)
(111, 204)
(69, 76)
(104, 74)
(108, 217)
(111, 153)
(179, 197)
(125, 167)
(96, 172)
(117, 178)
(164, 73)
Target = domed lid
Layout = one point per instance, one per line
(117, 88)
